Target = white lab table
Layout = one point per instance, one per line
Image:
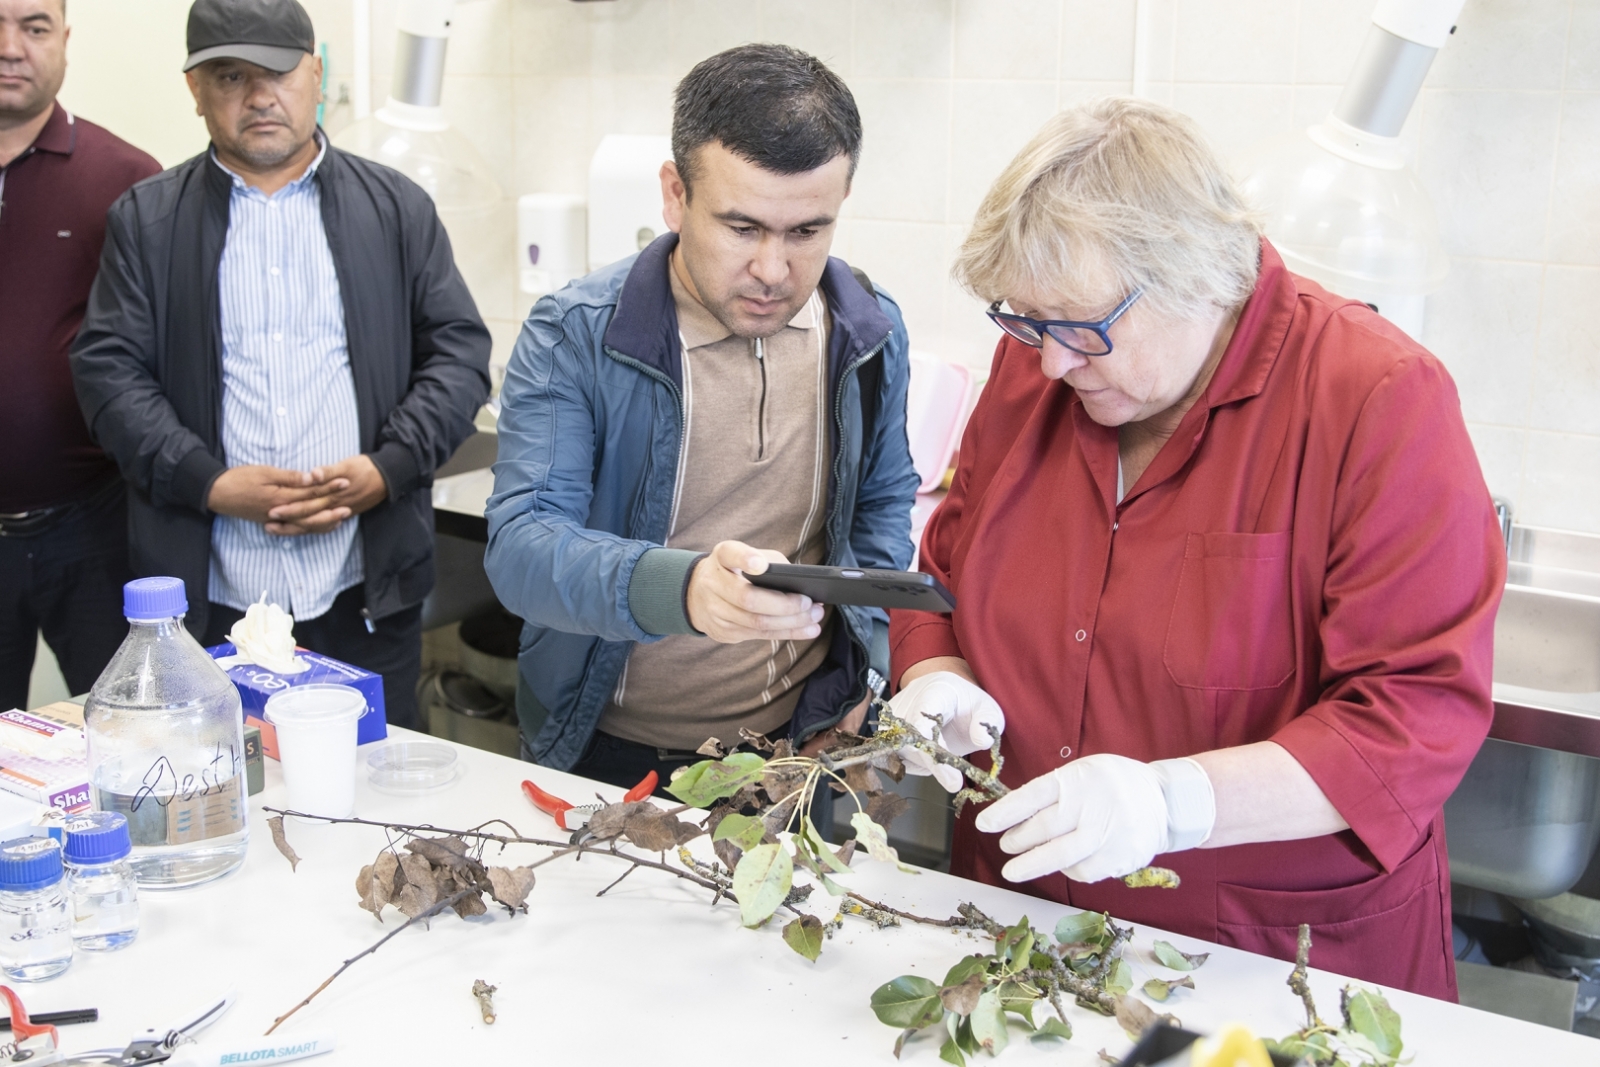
(650, 973)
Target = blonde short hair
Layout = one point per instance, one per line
(1112, 195)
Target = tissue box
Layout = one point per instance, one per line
(256, 684)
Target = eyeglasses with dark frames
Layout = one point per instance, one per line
(1085, 338)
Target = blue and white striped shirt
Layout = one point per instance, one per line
(288, 396)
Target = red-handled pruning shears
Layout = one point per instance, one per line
(576, 816)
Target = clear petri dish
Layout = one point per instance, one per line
(410, 768)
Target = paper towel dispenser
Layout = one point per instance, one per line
(625, 196)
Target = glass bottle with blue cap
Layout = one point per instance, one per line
(35, 920)
(104, 893)
(166, 745)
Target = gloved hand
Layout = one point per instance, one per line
(946, 708)
(1102, 816)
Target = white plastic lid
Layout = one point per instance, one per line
(318, 704)
(411, 767)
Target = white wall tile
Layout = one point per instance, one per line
(550, 38)
(824, 28)
(1235, 41)
(1484, 324)
(967, 336)
(1583, 46)
(909, 260)
(481, 108)
(480, 38)
(630, 105)
(1237, 117)
(1505, 44)
(552, 134)
(1069, 93)
(1312, 104)
(1575, 197)
(1487, 157)
(990, 122)
(1328, 39)
(632, 38)
(903, 39)
(702, 28)
(905, 156)
(1500, 450)
(1566, 379)
(1561, 481)
(1007, 38)
(1097, 40)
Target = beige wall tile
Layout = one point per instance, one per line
(990, 122)
(1500, 451)
(908, 260)
(1097, 40)
(1328, 39)
(1575, 197)
(702, 28)
(1007, 38)
(1237, 117)
(1235, 41)
(630, 105)
(481, 108)
(551, 38)
(903, 38)
(632, 38)
(1487, 158)
(553, 140)
(1505, 44)
(1583, 46)
(825, 28)
(480, 38)
(1484, 324)
(1566, 378)
(905, 157)
(1561, 481)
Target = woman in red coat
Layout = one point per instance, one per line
(1224, 558)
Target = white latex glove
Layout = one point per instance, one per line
(1102, 816)
(944, 707)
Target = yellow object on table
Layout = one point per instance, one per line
(1234, 1046)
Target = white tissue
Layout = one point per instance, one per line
(265, 636)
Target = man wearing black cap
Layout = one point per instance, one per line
(279, 352)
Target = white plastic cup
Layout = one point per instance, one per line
(316, 727)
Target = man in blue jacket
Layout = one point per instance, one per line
(729, 397)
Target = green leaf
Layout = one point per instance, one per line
(1086, 927)
(1120, 978)
(820, 848)
(1054, 1027)
(965, 968)
(743, 830)
(989, 1023)
(1019, 998)
(963, 1035)
(875, 839)
(1016, 944)
(804, 935)
(833, 888)
(950, 1052)
(1368, 1014)
(761, 882)
(1156, 989)
(708, 781)
(909, 1002)
(1171, 956)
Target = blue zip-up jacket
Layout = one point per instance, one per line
(591, 427)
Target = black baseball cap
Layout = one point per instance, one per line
(274, 34)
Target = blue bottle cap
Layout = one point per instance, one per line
(97, 837)
(154, 598)
(29, 863)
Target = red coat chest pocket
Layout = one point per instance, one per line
(1230, 626)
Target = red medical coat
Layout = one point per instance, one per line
(1312, 558)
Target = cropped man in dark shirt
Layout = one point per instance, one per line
(63, 524)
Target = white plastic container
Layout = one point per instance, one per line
(316, 726)
(166, 745)
(552, 241)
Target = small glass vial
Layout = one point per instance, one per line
(104, 892)
(35, 918)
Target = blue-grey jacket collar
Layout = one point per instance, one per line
(645, 324)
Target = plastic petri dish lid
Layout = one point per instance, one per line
(412, 767)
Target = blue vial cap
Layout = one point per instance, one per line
(29, 863)
(98, 837)
(154, 598)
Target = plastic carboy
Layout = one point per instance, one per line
(166, 745)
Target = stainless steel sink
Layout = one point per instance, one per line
(1526, 818)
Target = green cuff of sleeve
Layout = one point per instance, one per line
(658, 590)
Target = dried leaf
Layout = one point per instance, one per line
(1171, 956)
(470, 905)
(712, 747)
(962, 998)
(1134, 1016)
(655, 831)
(415, 899)
(1107, 1057)
(1157, 989)
(885, 808)
(861, 778)
(729, 853)
(804, 935)
(761, 882)
(845, 852)
(777, 818)
(512, 885)
(757, 741)
(375, 883)
(611, 820)
(780, 782)
(276, 825)
(891, 764)
(440, 851)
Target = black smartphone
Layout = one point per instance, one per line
(858, 585)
